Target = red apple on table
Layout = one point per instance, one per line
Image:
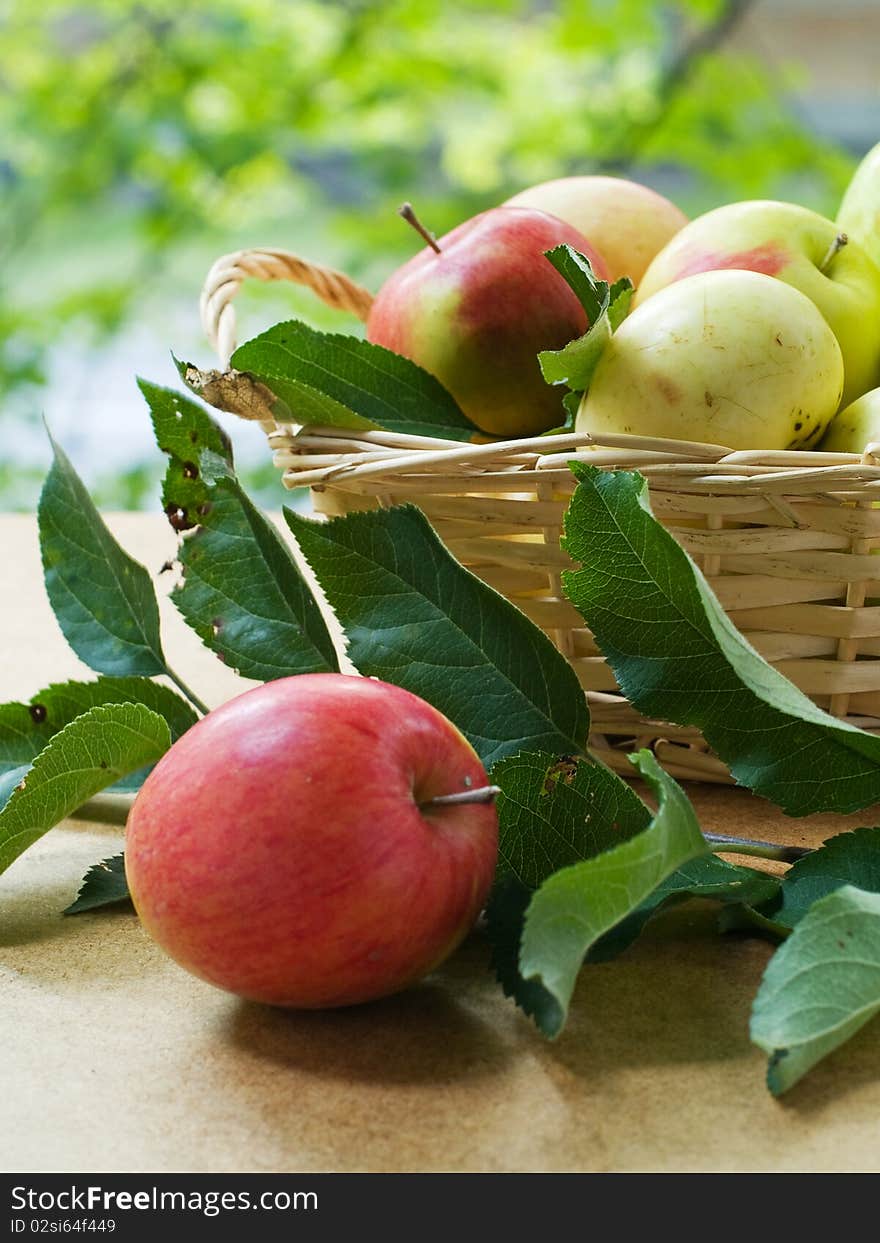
(476, 308)
(287, 847)
(799, 247)
(628, 223)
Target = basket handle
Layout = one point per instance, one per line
(226, 275)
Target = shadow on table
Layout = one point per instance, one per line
(429, 1033)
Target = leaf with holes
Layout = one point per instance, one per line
(552, 813)
(242, 591)
(244, 594)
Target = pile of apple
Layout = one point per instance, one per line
(755, 326)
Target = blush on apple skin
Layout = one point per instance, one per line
(477, 315)
(279, 852)
(769, 259)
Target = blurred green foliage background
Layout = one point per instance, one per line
(142, 140)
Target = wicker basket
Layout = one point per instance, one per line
(785, 538)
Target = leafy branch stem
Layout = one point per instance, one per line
(190, 695)
(722, 844)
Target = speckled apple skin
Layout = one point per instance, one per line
(478, 314)
(277, 850)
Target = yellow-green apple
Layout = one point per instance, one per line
(855, 426)
(288, 847)
(628, 223)
(728, 357)
(796, 246)
(859, 214)
(476, 308)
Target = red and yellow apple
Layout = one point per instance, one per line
(287, 848)
(796, 246)
(628, 223)
(477, 311)
(729, 358)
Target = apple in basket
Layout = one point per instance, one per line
(729, 358)
(859, 213)
(476, 308)
(628, 223)
(297, 845)
(855, 426)
(799, 247)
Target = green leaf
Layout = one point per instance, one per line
(185, 431)
(244, 595)
(94, 750)
(104, 600)
(677, 657)
(848, 859)
(552, 813)
(606, 306)
(347, 382)
(820, 986)
(705, 877)
(414, 616)
(104, 884)
(26, 728)
(577, 905)
(242, 591)
(505, 916)
(576, 269)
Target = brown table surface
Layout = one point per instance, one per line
(114, 1059)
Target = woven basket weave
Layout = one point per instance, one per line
(785, 538)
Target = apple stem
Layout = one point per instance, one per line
(837, 245)
(406, 210)
(722, 844)
(484, 794)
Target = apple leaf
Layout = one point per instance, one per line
(706, 877)
(606, 306)
(820, 986)
(104, 884)
(579, 904)
(848, 859)
(87, 755)
(244, 595)
(26, 728)
(104, 600)
(505, 916)
(343, 381)
(677, 657)
(552, 813)
(184, 431)
(242, 591)
(414, 616)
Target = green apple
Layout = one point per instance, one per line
(859, 213)
(855, 426)
(725, 357)
(796, 246)
(628, 223)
